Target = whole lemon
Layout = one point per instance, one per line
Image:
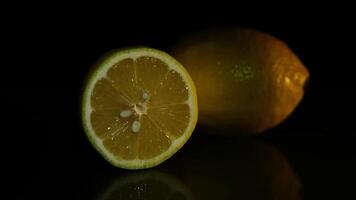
(246, 80)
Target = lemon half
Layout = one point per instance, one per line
(139, 107)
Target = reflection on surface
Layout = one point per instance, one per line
(237, 168)
(149, 184)
(215, 168)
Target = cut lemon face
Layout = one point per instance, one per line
(139, 107)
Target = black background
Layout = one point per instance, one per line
(49, 51)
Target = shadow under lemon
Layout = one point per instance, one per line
(214, 168)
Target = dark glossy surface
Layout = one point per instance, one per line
(309, 156)
(239, 168)
(276, 166)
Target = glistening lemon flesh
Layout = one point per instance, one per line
(139, 107)
(247, 81)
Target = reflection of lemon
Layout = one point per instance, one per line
(245, 79)
(146, 185)
(139, 107)
(236, 168)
